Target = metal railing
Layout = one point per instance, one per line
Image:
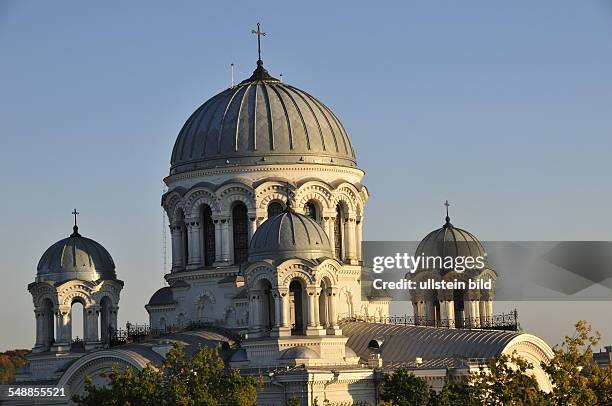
(503, 321)
(134, 333)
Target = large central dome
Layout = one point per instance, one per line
(261, 121)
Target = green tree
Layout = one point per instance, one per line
(505, 380)
(455, 393)
(201, 380)
(403, 388)
(576, 377)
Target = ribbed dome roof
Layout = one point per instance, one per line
(261, 121)
(76, 257)
(451, 241)
(289, 235)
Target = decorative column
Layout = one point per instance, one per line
(195, 247)
(252, 227)
(333, 328)
(218, 241)
(349, 240)
(359, 239)
(225, 241)
(447, 309)
(285, 319)
(63, 330)
(328, 227)
(282, 327)
(313, 328)
(92, 340)
(255, 312)
(177, 252)
(41, 334)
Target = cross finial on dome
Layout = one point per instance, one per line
(289, 204)
(75, 228)
(447, 204)
(259, 34)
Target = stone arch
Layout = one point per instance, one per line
(327, 270)
(197, 197)
(41, 297)
(317, 191)
(81, 295)
(263, 274)
(535, 351)
(170, 201)
(229, 194)
(348, 194)
(94, 364)
(268, 192)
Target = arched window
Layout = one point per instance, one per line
(77, 323)
(338, 231)
(267, 315)
(296, 295)
(274, 209)
(310, 210)
(241, 233)
(207, 228)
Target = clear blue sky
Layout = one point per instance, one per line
(504, 108)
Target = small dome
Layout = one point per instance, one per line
(451, 241)
(299, 353)
(289, 235)
(261, 121)
(162, 297)
(76, 257)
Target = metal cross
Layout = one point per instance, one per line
(75, 213)
(447, 204)
(259, 34)
(289, 194)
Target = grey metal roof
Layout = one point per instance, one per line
(162, 297)
(404, 344)
(449, 240)
(76, 257)
(261, 120)
(289, 235)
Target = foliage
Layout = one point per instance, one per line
(201, 380)
(402, 388)
(293, 401)
(9, 362)
(576, 377)
(505, 380)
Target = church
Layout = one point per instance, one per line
(266, 207)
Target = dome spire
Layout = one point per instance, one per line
(260, 73)
(75, 228)
(259, 34)
(448, 223)
(289, 204)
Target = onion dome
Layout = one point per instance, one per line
(76, 257)
(261, 121)
(289, 235)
